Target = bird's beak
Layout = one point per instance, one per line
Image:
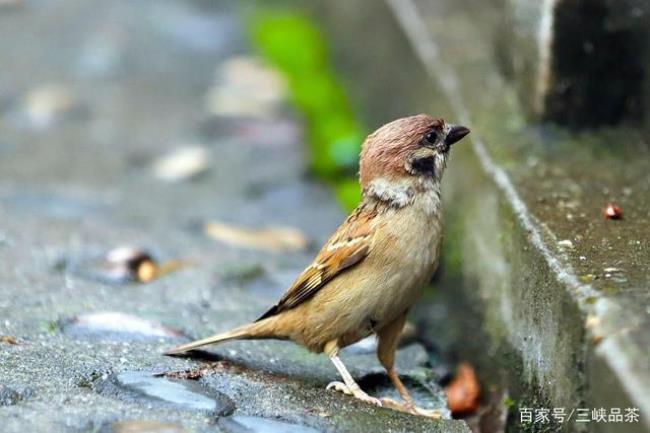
(456, 132)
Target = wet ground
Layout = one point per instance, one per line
(113, 133)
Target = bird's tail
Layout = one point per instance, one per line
(261, 329)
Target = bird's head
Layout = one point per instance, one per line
(407, 153)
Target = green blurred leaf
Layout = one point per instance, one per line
(348, 193)
(293, 44)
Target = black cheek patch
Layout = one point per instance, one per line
(423, 165)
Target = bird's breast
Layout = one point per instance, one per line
(407, 250)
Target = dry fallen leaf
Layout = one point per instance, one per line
(8, 339)
(463, 391)
(271, 239)
(171, 266)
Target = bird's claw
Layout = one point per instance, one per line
(340, 387)
(356, 392)
(409, 407)
(429, 413)
(392, 404)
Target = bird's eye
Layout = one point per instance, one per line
(431, 137)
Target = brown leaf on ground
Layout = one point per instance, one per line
(7, 339)
(199, 372)
(463, 391)
(168, 267)
(272, 239)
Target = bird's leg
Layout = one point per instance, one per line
(349, 386)
(408, 405)
(388, 337)
(401, 389)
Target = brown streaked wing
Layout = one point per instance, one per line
(347, 247)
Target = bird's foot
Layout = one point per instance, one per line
(340, 387)
(411, 408)
(354, 391)
(429, 413)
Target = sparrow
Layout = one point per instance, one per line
(371, 271)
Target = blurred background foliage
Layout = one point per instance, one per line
(292, 43)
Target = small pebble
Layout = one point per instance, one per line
(611, 270)
(183, 163)
(612, 212)
(44, 105)
(565, 243)
(132, 264)
(592, 321)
